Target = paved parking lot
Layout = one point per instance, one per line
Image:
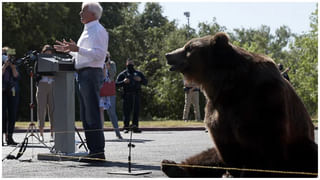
(151, 148)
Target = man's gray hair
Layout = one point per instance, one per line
(93, 7)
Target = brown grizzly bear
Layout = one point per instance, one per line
(253, 114)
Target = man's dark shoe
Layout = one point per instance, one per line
(137, 130)
(119, 136)
(93, 158)
(10, 141)
(125, 129)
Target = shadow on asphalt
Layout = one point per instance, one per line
(134, 166)
(30, 146)
(127, 140)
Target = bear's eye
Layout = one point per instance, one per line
(188, 54)
(188, 51)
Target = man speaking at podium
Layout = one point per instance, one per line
(90, 53)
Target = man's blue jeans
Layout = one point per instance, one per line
(90, 81)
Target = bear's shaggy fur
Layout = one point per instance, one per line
(253, 114)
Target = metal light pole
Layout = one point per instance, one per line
(187, 14)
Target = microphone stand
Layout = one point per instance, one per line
(130, 172)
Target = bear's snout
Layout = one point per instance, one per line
(171, 61)
(175, 59)
(168, 55)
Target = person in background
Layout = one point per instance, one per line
(10, 94)
(104, 100)
(112, 70)
(284, 73)
(90, 53)
(191, 91)
(131, 81)
(44, 95)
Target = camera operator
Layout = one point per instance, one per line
(10, 94)
(44, 95)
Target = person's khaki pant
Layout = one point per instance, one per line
(192, 97)
(45, 102)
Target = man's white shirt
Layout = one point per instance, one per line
(93, 46)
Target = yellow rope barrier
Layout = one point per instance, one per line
(242, 169)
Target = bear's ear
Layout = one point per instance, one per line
(221, 39)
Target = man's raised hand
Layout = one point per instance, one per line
(66, 46)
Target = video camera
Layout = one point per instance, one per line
(29, 59)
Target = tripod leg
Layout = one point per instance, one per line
(40, 141)
(30, 132)
(33, 132)
(82, 142)
(18, 145)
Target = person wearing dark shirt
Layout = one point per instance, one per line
(131, 80)
(10, 96)
(284, 73)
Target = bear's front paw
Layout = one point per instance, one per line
(171, 170)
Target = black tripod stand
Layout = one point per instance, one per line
(32, 129)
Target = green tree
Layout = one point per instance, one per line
(28, 26)
(146, 37)
(155, 28)
(211, 28)
(262, 41)
(168, 92)
(303, 61)
(152, 16)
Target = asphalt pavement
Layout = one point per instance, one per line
(151, 147)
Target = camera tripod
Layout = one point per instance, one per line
(32, 129)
